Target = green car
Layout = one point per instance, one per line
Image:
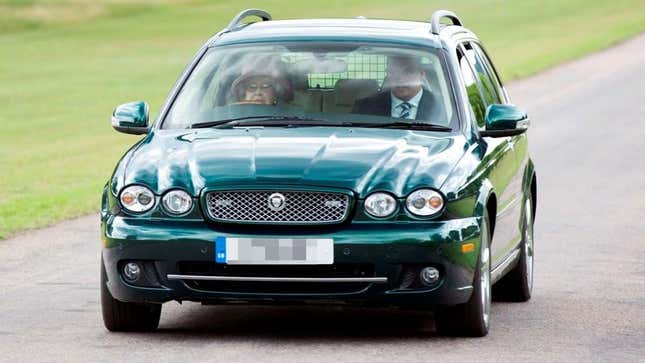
(336, 161)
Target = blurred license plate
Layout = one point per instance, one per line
(274, 251)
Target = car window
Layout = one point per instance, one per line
(322, 80)
(359, 66)
(475, 98)
(490, 70)
(487, 88)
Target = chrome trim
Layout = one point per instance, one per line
(464, 288)
(507, 208)
(497, 272)
(378, 280)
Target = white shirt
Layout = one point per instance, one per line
(414, 102)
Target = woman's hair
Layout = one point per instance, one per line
(267, 65)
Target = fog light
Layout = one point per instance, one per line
(131, 271)
(429, 276)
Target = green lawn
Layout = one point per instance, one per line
(65, 64)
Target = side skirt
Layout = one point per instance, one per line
(508, 264)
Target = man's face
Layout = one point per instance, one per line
(405, 78)
(260, 89)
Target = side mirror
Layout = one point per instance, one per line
(131, 118)
(505, 120)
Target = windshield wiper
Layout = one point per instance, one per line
(406, 125)
(269, 121)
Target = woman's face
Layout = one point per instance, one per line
(260, 89)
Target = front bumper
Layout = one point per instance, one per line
(391, 249)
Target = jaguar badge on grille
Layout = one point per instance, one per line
(276, 202)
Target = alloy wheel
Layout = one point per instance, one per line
(528, 244)
(484, 278)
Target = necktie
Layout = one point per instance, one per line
(405, 110)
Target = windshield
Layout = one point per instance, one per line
(338, 83)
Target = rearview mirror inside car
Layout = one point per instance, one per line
(505, 120)
(131, 118)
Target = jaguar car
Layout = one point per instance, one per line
(330, 161)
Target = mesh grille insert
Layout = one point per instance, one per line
(297, 207)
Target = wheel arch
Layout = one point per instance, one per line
(530, 185)
(487, 201)
(491, 207)
(534, 195)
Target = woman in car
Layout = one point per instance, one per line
(261, 88)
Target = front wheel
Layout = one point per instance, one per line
(124, 316)
(473, 317)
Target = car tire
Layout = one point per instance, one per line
(517, 285)
(124, 316)
(472, 318)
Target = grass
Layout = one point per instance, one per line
(65, 64)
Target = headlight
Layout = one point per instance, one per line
(424, 202)
(137, 198)
(177, 202)
(380, 204)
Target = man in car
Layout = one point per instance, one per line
(405, 95)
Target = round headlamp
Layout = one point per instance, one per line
(177, 202)
(380, 204)
(424, 202)
(137, 198)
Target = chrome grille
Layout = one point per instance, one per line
(300, 207)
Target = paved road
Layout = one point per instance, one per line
(589, 298)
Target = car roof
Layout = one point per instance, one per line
(397, 31)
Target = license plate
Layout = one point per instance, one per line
(274, 251)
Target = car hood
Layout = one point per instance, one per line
(361, 160)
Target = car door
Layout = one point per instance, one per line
(520, 144)
(505, 174)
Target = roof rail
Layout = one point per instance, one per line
(237, 20)
(440, 14)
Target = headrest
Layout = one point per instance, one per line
(349, 90)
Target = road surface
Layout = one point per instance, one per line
(587, 141)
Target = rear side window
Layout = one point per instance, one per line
(481, 55)
(487, 86)
(475, 99)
